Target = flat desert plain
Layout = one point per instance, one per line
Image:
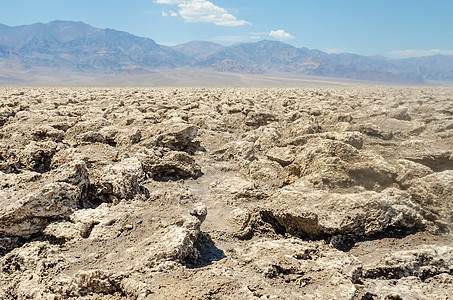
(226, 193)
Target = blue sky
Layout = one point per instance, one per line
(397, 28)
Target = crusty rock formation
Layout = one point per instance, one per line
(30, 201)
(301, 211)
(195, 193)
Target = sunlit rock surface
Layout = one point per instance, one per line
(195, 193)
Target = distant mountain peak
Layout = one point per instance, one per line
(197, 42)
(65, 22)
(76, 46)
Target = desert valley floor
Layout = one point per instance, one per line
(226, 193)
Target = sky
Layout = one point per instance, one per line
(396, 28)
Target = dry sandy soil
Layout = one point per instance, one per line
(135, 193)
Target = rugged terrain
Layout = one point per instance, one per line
(131, 193)
(62, 51)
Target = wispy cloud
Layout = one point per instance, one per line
(171, 14)
(203, 11)
(281, 35)
(415, 53)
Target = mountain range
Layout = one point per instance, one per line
(66, 46)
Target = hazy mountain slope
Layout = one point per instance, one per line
(437, 67)
(281, 57)
(265, 53)
(199, 50)
(64, 46)
(10, 58)
(80, 46)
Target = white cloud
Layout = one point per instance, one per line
(203, 11)
(255, 37)
(415, 53)
(281, 35)
(171, 14)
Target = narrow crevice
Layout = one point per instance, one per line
(87, 232)
(436, 162)
(168, 174)
(9, 243)
(265, 221)
(208, 253)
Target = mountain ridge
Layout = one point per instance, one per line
(80, 47)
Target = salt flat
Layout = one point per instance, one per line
(181, 78)
(226, 193)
